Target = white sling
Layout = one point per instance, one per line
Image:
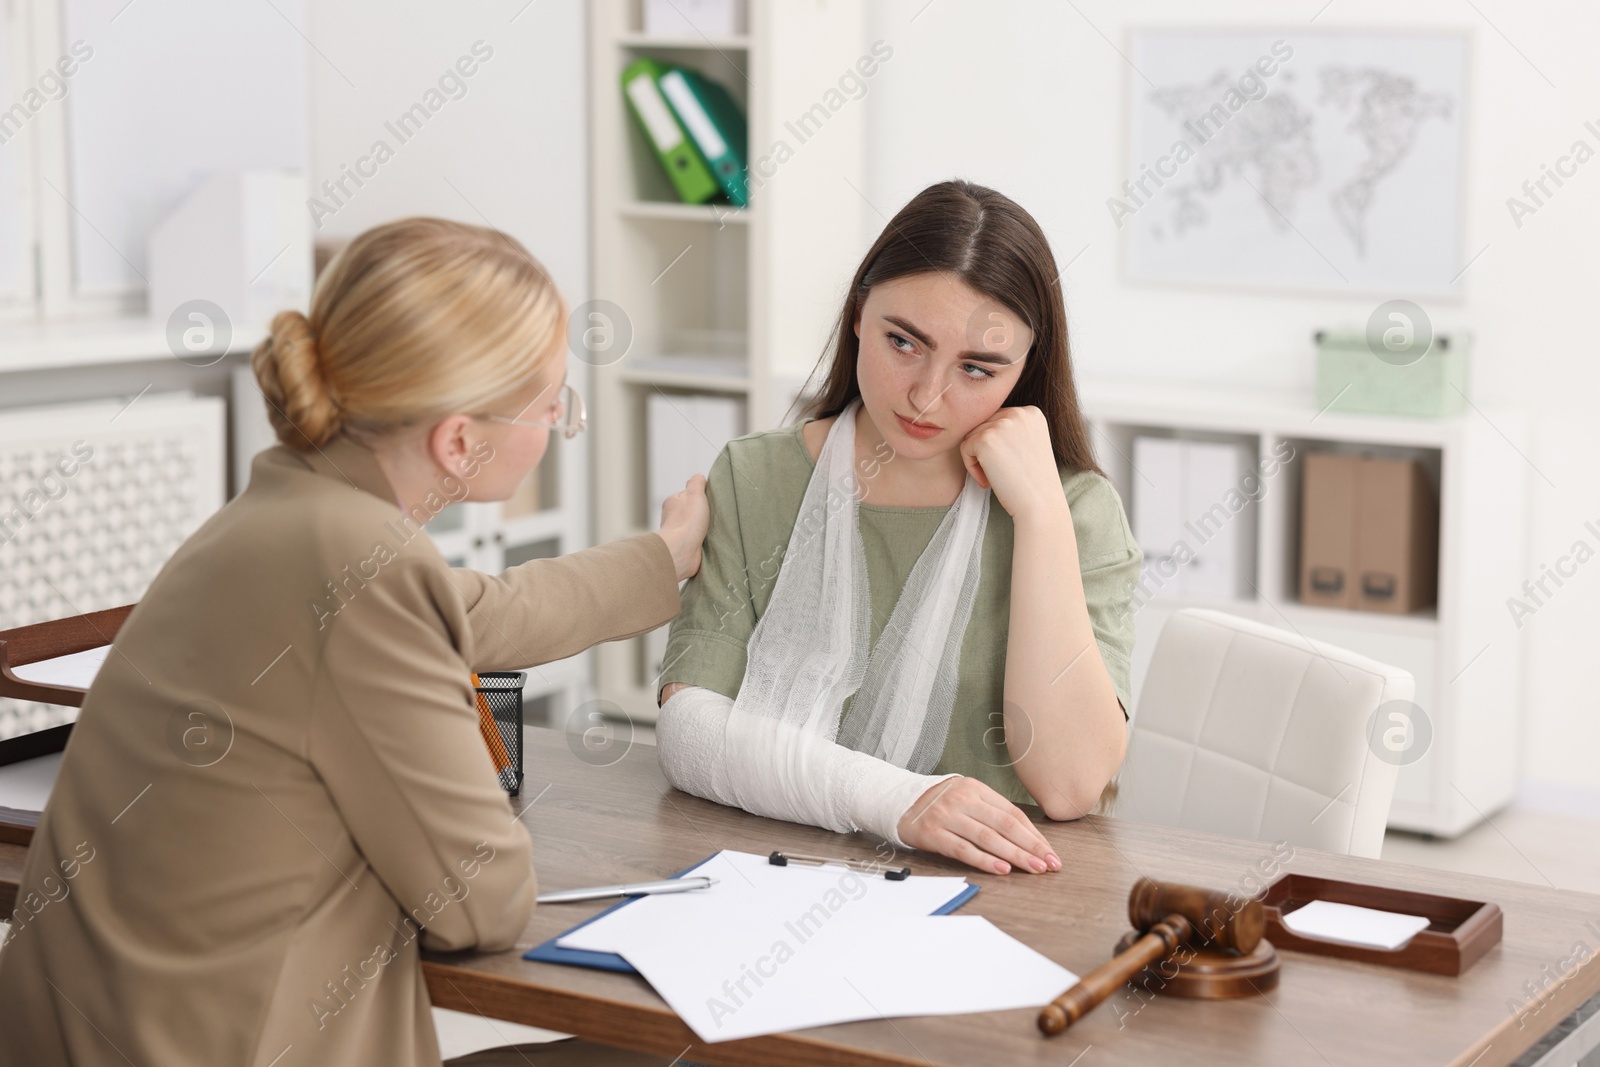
(782, 748)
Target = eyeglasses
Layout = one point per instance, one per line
(566, 414)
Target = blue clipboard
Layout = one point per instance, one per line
(550, 952)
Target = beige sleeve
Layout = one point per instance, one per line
(548, 609)
(395, 740)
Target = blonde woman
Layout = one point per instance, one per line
(277, 781)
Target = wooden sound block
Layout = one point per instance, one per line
(1208, 974)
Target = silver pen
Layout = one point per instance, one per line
(629, 889)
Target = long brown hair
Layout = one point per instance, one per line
(996, 248)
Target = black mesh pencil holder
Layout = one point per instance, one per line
(503, 692)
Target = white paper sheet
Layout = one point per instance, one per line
(735, 984)
(769, 902)
(77, 669)
(26, 785)
(1350, 925)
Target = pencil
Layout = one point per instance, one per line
(491, 732)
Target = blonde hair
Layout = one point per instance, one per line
(414, 320)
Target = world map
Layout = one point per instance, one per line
(1295, 160)
(1270, 146)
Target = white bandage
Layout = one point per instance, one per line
(772, 768)
(789, 748)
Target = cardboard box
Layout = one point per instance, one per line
(1369, 534)
(1327, 530)
(1397, 537)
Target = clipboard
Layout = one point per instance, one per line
(550, 952)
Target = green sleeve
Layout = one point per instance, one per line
(1109, 559)
(706, 644)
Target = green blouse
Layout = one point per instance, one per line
(755, 488)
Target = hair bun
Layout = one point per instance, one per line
(288, 368)
(416, 320)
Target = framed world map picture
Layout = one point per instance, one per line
(1294, 159)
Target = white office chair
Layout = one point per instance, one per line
(1251, 731)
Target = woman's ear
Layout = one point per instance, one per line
(450, 443)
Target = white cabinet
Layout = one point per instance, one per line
(1465, 652)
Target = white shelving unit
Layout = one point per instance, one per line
(1464, 653)
(700, 283)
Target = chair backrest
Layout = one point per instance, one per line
(1247, 730)
(23, 645)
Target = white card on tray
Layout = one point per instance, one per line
(1350, 925)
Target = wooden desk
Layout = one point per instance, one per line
(584, 819)
(602, 824)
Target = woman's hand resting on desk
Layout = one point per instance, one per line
(685, 518)
(968, 821)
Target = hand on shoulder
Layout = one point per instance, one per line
(685, 518)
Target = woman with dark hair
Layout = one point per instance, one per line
(869, 645)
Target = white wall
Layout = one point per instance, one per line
(510, 153)
(1028, 97)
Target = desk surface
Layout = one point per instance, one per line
(599, 824)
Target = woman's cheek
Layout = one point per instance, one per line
(538, 447)
(893, 379)
(869, 373)
(986, 408)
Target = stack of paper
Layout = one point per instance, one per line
(26, 785)
(769, 949)
(77, 669)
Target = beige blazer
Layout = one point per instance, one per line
(277, 790)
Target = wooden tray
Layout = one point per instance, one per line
(1458, 934)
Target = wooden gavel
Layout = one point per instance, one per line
(1170, 915)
